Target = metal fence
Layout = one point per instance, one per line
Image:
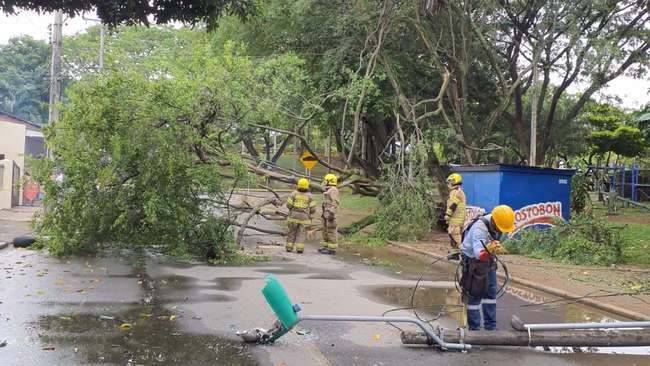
(628, 181)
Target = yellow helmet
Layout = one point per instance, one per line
(504, 218)
(454, 179)
(330, 179)
(303, 184)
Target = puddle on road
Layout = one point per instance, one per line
(396, 263)
(313, 273)
(432, 301)
(154, 335)
(329, 276)
(176, 289)
(231, 283)
(153, 339)
(282, 271)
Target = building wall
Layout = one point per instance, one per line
(12, 145)
(5, 183)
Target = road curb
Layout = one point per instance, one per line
(550, 290)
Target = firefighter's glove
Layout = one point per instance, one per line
(495, 247)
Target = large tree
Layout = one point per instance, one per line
(24, 78)
(576, 43)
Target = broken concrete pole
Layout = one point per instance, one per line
(576, 338)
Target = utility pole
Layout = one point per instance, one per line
(534, 99)
(532, 159)
(102, 31)
(102, 35)
(55, 71)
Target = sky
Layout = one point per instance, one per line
(634, 93)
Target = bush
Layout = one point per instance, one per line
(581, 185)
(407, 204)
(583, 240)
(404, 218)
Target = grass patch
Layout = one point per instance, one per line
(240, 259)
(362, 240)
(599, 240)
(600, 210)
(636, 244)
(377, 262)
(352, 201)
(584, 240)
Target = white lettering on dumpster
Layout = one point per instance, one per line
(472, 212)
(544, 213)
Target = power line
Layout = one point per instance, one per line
(55, 71)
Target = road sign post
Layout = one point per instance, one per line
(308, 160)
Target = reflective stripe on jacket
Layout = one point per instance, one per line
(301, 207)
(455, 214)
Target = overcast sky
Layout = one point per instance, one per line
(634, 93)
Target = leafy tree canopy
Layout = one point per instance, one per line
(141, 158)
(113, 12)
(24, 78)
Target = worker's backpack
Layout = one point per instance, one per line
(471, 223)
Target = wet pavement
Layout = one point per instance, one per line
(127, 309)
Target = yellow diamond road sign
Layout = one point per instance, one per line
(308, 160)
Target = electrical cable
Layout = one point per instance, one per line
(412, 301)
(500, 292)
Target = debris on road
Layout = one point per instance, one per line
(126, 326)
(3, 344)
(252, 335)
(106, 317)
(303, 331)
(23, 241)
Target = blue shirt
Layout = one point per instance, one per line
(475, 238)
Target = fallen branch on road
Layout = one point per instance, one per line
(255, 211)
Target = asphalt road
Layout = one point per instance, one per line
(72, 311)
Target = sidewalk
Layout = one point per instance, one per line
(15, 222)
(613, 289)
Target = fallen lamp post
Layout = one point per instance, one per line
(618, 334)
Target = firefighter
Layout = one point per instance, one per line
(479, 277)
(330, 206)
(301, 207)
(455, 215)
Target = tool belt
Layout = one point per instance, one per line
(474, 279)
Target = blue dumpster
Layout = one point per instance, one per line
(539, 196)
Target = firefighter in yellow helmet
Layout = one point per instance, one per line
(455, 214)
(301, 207)
(331, 199)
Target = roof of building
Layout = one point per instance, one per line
(6, 117)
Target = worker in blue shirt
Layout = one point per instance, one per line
(479, 279)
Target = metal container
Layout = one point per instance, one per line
(539, 196)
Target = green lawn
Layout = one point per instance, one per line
(351, 201)
(636, 244)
